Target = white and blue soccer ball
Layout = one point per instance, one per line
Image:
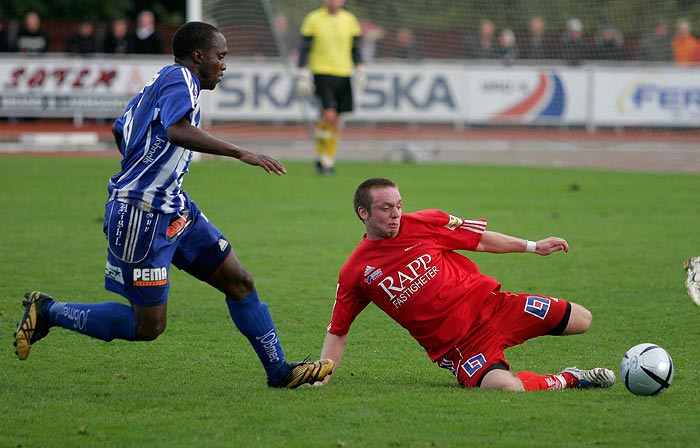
(646, 369)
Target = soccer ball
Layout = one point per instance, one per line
(646, 369)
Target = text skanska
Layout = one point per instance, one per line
(419, 91)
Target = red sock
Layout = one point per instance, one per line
(533, 381)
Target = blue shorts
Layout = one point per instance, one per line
(143, 245)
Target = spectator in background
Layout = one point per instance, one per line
(574, 48)
(83, 40)
(506, 46)
(289, 38)
(609, 44)
(686, 48)
(371, 35)
(537, 45)
(145, 39)
(483, 45)
(4, 41)
(31, 39)
(656, 46)
(405, 45)
(117, 41)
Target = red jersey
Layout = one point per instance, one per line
(418, 279)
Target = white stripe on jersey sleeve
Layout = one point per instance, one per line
(196, 116)
(474, 226)
(190, 85)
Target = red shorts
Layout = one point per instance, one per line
(506, 319)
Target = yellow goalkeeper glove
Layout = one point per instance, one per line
(359, 78)
(304, 83)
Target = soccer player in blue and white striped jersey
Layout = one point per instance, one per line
(151, 223)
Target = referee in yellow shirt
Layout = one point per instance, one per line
(330, 50)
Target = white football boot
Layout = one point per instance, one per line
(692, 265)
(598, 377)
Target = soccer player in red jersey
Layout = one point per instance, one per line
(406, 265)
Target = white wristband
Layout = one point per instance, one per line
(531, 247)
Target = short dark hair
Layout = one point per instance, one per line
(192, 36)
(363, 198)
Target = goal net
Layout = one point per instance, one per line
(556, 69)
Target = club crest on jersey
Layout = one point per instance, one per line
(474, 364)
(537, 306)
(454, 223)
(178, 225)
(373, 275)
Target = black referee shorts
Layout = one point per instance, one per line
(334, 92)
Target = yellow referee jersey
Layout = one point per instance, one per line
(331, 48)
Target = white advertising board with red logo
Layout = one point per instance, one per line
(67, 86)
(427, 92)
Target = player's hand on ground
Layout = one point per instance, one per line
(550, 245)
(324, 382)
(267, 163)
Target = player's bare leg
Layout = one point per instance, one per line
(150, 321)
(502, 379)
(580, 320)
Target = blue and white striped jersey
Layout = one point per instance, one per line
(152, 167)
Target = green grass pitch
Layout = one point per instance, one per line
(200, 383)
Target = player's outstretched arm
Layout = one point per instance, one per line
(498, 243)
(333, 348)
(191, 137)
